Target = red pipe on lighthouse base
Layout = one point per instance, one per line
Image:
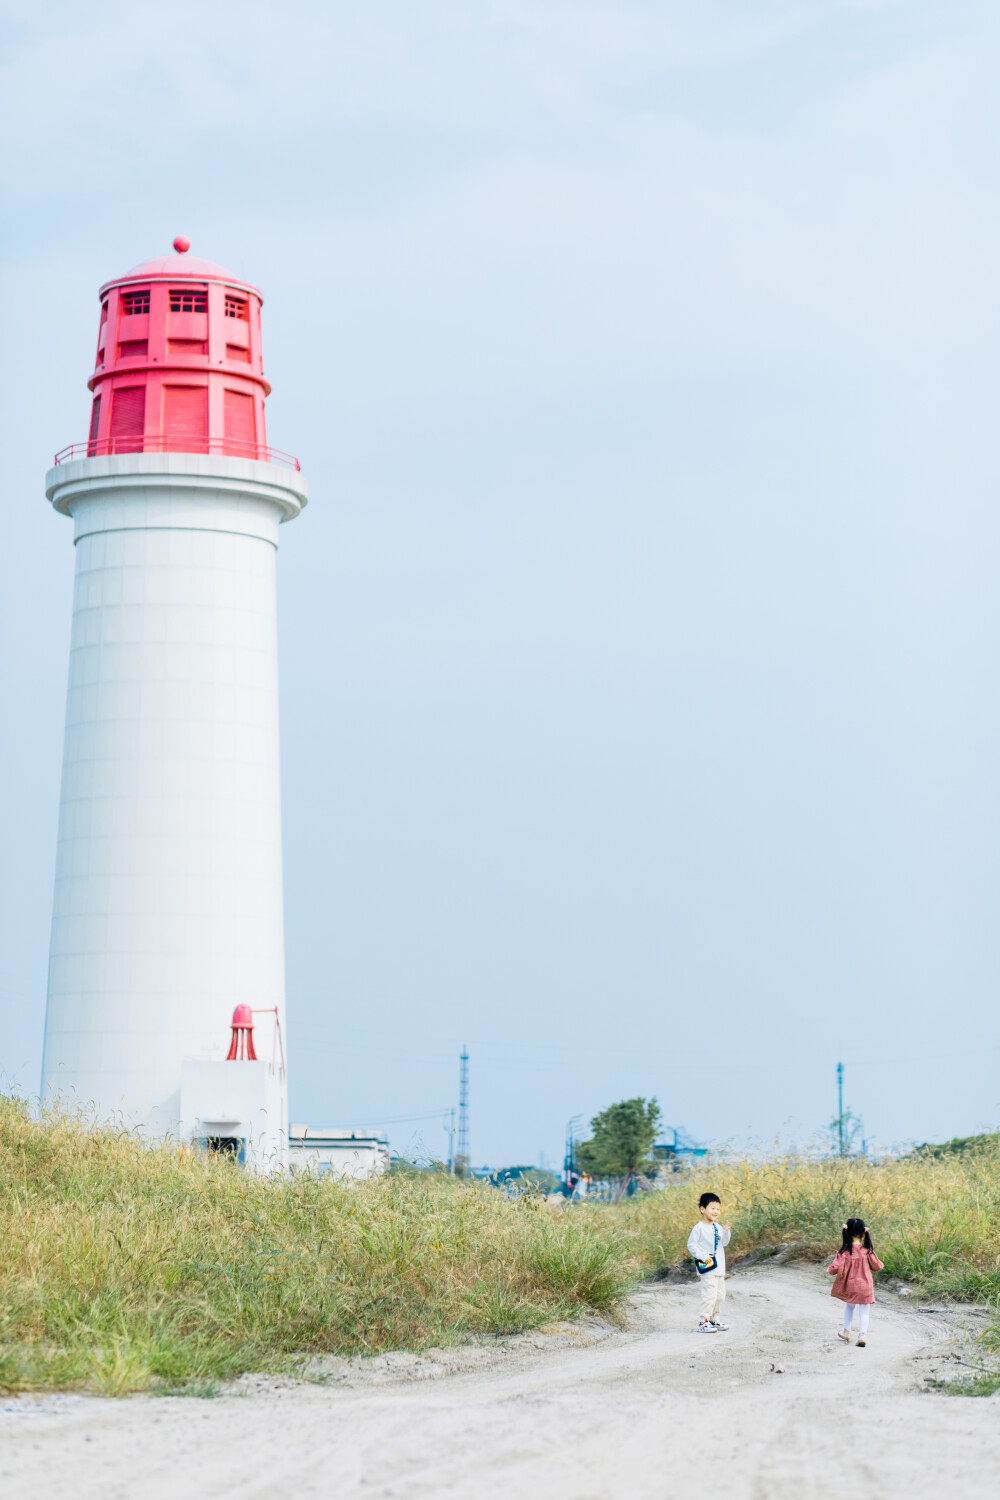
(241, 1046)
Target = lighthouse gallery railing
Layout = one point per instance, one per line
(156, 443)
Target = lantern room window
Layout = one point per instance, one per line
(236, 307)
(189, 302)
(134, 304)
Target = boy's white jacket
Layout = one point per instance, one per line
(701, 1241)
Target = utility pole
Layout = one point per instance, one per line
(451, 1145)
(569, 1162)
(463, 1163)
(840, 1108)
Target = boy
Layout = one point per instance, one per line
(707, 1242)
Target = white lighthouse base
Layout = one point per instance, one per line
(235, 1107)
(168, 893)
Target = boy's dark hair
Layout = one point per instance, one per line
(707, 1198)
(856, 1229)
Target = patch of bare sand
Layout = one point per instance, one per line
(579, 1411)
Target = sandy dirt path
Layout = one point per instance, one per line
(775, 1408)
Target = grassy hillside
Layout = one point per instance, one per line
(125, 1266)
(130, 1268)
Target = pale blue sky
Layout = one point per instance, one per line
(638, 644)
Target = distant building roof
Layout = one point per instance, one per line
(316, 1133)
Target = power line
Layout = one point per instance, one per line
(433, 1114)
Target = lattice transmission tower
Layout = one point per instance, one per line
(463, 1162)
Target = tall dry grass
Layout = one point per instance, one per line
(936, 1222)
(127, 1267)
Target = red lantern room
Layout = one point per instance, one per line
(179, 367)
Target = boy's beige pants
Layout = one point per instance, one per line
(713, 1295)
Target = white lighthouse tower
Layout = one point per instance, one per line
(168, 892)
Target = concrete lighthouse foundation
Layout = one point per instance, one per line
(168, 890)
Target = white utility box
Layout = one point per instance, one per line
(236, 1107)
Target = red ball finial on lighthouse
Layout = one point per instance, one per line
(182, 244)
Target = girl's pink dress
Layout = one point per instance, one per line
(853, 1271)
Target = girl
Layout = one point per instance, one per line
(853, 1266)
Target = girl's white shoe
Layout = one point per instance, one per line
(861, 1342)
(842, 1333)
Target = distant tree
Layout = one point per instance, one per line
(537, 1179)
(844, 1132)
(622, 1143)
(402, 1166)
(960, 1145)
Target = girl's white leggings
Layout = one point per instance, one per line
(864, 1313)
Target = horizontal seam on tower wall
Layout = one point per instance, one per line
(215, 530)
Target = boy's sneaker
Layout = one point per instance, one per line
(719, 1326)
(706, 1327)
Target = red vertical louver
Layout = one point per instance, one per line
(128, 419)
(95, 422)
(185, 418)
(239, 427)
